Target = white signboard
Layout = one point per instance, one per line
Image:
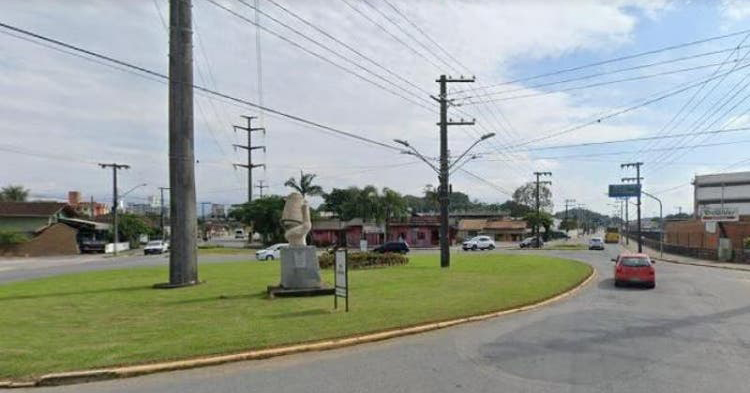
(718, 214)
(341, 280)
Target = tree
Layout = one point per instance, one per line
(526, 195)
(543, 219)
(264, 216)
(131, 227)
(13, 193)
(516, 209)
(305, 185)
(341, 202)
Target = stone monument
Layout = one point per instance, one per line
(300, 272)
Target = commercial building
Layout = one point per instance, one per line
(723, 190)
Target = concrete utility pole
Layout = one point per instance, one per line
(661, 223)
(637, 179)
(115, 167)
(581, 217)
(183, 255)
(161, 211)
(538, 215)
(627, 222)
(249, 149)
(261, 186)
(443, 175)
(567, 203)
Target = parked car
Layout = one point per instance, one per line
(634, 269)
(239, 234)
(156, 247)
(399, 247)
(273, 252)
(93, 245)
(479, 243)
(596, 243)
(531, 242)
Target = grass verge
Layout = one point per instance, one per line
(110, 318)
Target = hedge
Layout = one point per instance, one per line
(364, 260)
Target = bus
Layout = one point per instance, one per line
(612, 235)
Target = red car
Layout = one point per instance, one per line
(634, 269)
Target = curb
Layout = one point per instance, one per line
(75, 377)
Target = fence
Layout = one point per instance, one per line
(738, 254)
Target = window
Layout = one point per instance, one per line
(420, 236)
(635, 261)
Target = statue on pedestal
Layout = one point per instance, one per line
(300, 272)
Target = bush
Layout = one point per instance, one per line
(364, 260)
(8, 238)
(747, 242)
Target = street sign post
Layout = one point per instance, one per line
(341, 280)
(624, 190)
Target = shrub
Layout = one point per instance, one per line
(364, 260)
(747, 242)
(8, 238)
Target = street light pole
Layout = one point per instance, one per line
(661, 224)
(115, 167)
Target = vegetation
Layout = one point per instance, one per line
(364, 260)
(13, 193)
(526, 195)
(9, 238)
(104, 318)
(264, 216)
(543, 219)
(131, 226)
(305, 184)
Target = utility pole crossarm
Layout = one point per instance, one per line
(251, 166)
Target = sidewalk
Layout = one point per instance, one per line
(680, 259)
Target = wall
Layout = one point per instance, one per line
(692, 234)
(23, 224)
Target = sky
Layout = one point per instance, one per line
(62, 114)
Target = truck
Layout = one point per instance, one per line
(612, 235)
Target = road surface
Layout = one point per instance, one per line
(690, 334)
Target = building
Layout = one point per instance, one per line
(418, 231)
(500, 229)
(52, 228)
(217, 211)
(728, 190)
(86, 208)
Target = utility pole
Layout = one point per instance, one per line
(249, 149)
(261, 186)
(538, 215)
(567, 203)
(183, 255)
(203, 217)
(115, 167)
(627, 222)
(443, 174)
(582, 218)
(637, 179)
(161, 211)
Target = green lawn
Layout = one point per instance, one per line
(108, 318)
(567, 246)
(227, 251)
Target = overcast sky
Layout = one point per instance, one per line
(66, 113)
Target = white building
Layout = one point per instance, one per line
(728, 190)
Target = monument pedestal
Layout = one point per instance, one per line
(300, 274)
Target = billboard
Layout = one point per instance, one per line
(718, 214)
(624, 190)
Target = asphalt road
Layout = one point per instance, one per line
(690, 334)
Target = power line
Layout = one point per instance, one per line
(598, 84)
(598, 74)
(616, 59)
(318, 55)
(228, 97)
(628, 109)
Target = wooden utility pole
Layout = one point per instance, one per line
(443, 193)
(183, 256)
(250, 166)
(115, 167)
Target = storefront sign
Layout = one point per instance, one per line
(719, 214)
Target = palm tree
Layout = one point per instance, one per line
(394, 206)
(305, 186)
(13, 194)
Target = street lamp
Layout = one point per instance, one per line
(482, 138)
(122, 197)
(412, 151)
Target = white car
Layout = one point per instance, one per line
(156, 247)
(479, 243)
(273, 252)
